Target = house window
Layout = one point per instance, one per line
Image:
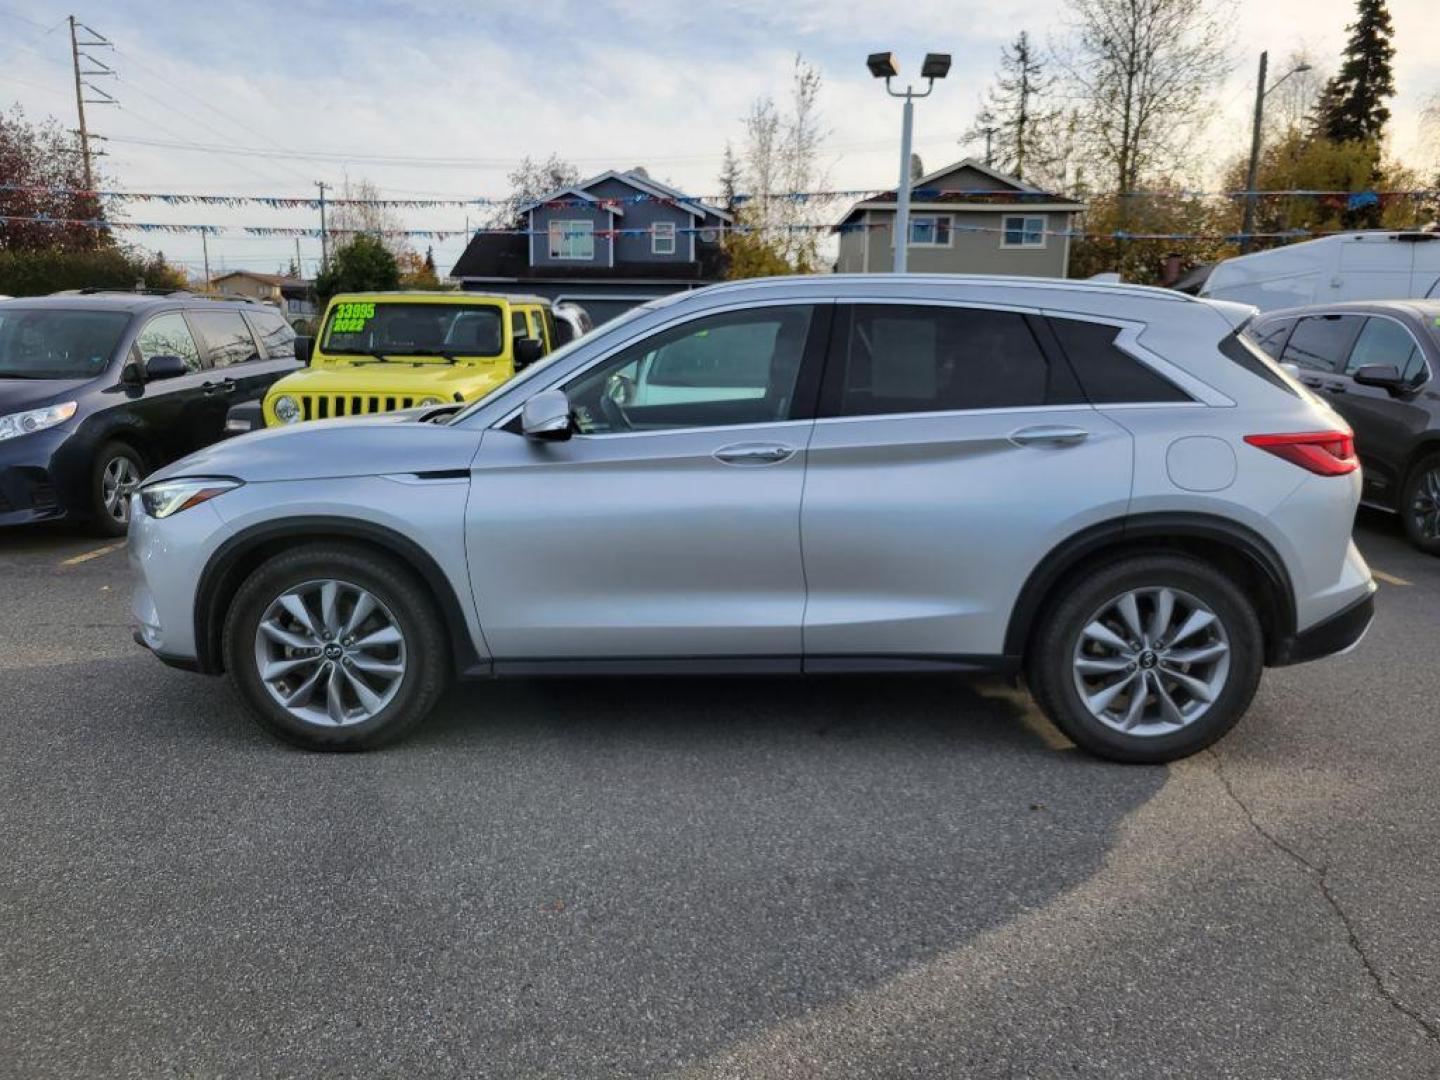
(572, 240)
(662, 238)
(930, 230)
(1023, 232)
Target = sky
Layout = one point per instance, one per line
(316, 90)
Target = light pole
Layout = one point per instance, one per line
(883, 66)
(1252, 175)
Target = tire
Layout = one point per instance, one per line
(400, 608)
(1420, 505)
(115, 472)
(1223, 658)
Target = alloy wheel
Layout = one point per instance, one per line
(330, 653)
(1151, 661)
(1425, 507)
(118, 481)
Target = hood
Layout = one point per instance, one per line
(387, 443)
(17, 395)
(390, 379)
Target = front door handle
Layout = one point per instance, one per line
(754, 454)
(224, 386)
(1335, 387)
(1049, 435)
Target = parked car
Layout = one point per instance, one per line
(98, 388)
(1375, 363)
(571, 321)
(385, 351)
(1350, 266)
(1104, 488)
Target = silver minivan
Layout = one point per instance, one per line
(1104, 489)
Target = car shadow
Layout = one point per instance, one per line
(594, 877)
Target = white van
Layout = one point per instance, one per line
(1350, 266)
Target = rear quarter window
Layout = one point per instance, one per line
(1250, 356)
(1107, 373)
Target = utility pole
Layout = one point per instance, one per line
(1253, 173)
(95, 41)
(205, 247)
(299, 266)
(324, 236)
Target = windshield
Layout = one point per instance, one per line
(366, 328)
(540, 367)
(53, 343)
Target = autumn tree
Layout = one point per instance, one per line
(532, 180)
(1353, 108)
(41, 164)
(417, 272)
(357, 209)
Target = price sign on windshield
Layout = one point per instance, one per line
(350, 318)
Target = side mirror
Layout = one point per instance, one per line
(546, 417)
(527, 351)
(165, 367)
(244, 417)
(304, 346)
(1384, 376)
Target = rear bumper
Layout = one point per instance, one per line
(1337, 634)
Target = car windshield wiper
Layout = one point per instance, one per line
(436, 352)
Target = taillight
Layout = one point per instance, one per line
(1326, 453)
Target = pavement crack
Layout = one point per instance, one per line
(1321, 876)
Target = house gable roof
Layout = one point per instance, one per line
(966, 195)
(642, 185)
(575, 192)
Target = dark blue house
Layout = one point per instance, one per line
(607, 243)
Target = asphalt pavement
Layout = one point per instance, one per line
(752, 878)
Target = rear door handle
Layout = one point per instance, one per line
(754, 454)
(224, 386)
(1049, 435)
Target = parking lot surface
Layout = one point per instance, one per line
(749, 878)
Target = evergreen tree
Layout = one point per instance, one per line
(1353, 106)
(1014, 107)
(729, 178)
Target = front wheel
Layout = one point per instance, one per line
(114, 475)
(1420, 505)
(333, 647)
(1148, 660)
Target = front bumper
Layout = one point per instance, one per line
(167, 557)
(33, 478)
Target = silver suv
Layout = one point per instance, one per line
(1103, 488)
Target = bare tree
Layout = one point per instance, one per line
(1144, 73)
(1291, 105)
(532, 180)
(780, 156)
(355, 210)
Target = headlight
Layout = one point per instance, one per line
(287, 409)
(427, 402)
(171, 496)
(23, 423)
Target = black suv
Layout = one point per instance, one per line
(99, 388)
(1376, 362)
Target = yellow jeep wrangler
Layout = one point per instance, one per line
(378, 352)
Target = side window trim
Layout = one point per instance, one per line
(1128, 341)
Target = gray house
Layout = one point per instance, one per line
(607, 243)
(957, 226)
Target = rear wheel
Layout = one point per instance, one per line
(1148, 660)
(1420, 505)
(115, 474)
(334, 648)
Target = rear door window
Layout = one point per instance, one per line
(1385, 343)
(1108, 374)
(1322, 342)
(277, 335)
(1271, 336)
(227, 335)
(900, 358)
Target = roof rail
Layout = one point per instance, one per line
(92, 290)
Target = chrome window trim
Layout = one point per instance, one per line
(660, 328)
